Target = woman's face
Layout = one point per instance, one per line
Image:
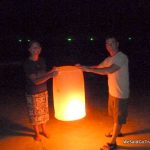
(35, 49)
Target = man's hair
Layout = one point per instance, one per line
(112, 37)
(32, 42)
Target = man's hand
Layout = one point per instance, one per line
(78, 66)
(86, 69)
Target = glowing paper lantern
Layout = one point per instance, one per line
(69, 94)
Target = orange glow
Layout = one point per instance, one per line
(69, 94)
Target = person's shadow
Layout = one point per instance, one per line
(144, 131)
(10, 128)
(132, 148)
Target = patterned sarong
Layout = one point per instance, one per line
(38, 108)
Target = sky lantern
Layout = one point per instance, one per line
(69, 94)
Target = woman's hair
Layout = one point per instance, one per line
(34, 41)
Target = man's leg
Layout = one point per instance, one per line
(112, 144)
(120, 114)
(116, 130)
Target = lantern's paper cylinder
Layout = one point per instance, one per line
(69, 94)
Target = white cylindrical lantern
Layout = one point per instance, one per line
(69, 94)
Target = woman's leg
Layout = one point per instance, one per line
(44, 132)
(37, 133)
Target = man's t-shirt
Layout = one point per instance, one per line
(34, 67)
(118, 81)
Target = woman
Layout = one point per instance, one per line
(36, 88)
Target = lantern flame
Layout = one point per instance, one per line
(74, 110)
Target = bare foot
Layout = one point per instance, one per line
(109, 134)
(37, 138)
(45, 134)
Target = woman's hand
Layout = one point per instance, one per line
(55, 73)
(54, 69)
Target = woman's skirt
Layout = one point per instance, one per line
(38, 108)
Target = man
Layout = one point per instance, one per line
(116, 68)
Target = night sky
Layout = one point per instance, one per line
(56, 17)
(52, 21)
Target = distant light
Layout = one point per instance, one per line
(91, 39)
(29, 40)
(69, 39)
(20, 40)
(129, 38)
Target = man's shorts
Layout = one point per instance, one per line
(117, 108)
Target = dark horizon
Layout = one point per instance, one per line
(52, 22)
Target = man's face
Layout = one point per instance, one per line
(35, 49)
(111, 45)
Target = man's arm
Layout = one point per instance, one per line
(96, 66)
(80, 66)
(101, 71)
(101, 65)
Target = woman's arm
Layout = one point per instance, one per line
(39, 79)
